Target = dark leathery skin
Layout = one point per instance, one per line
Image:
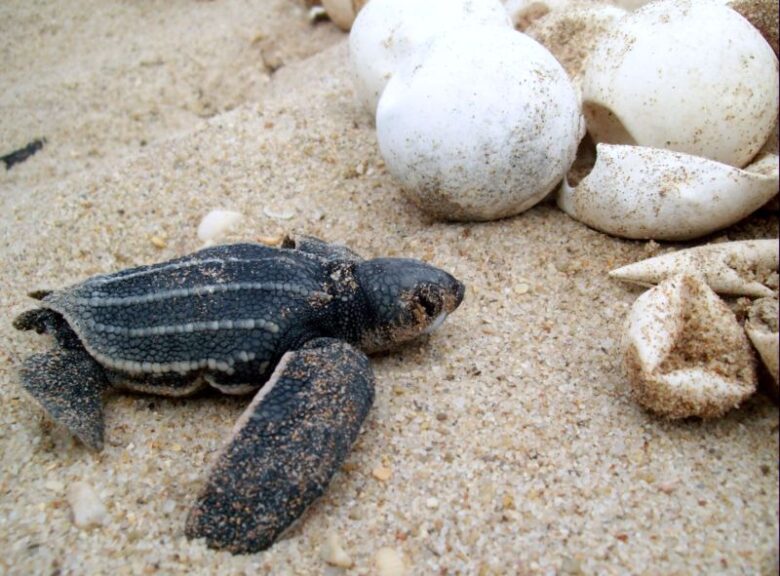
(272, 297)
(69, 384)
(286, 447)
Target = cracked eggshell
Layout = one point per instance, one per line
(685, 354)
(762, 329)
(649, 193)
(483, 126)
(693, 77)
(388, 32)
(741, 268)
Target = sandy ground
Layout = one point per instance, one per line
(513, 444)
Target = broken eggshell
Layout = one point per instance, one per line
(481, 126)
(762, 329)
(685, 354)
(386, 33)
(649, 193)
(693, 77)
(742, 268)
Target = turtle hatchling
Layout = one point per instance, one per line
(293, 323)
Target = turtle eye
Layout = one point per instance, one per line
(429, 304)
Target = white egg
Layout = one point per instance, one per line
(484, 125)
(387, 32)
(643, 193)
(693, 77)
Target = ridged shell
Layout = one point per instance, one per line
(218, 309)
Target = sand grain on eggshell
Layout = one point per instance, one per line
(515, 416)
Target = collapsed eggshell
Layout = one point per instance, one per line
(762, 329)
(685, 354)
(388, 32)
(649, 193)
(741, 268)
(693, 77)
(482, 126)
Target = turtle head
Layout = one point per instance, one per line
(405, 298)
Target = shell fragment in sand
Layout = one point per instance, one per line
(649, 193)
(742, 268)
(685, 354)
(332, 552)
(216, 224)
(761, 328)
(88, 510)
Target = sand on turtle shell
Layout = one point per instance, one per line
(515, 416)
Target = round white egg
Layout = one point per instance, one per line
(387, 32)
(482, 126)
(692, 77)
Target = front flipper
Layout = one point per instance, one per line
(285, 447)
(69, 385)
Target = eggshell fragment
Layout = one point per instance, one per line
(644, 193)
(693, 77)
(483, 125)
(742, 268)
(388, 32)
(216, 224)
(685, 354)
(762, 329)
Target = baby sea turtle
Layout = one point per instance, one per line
(294, 322)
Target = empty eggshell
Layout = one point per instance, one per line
(388, 32)
(742, 268)
(649, 193)
(685, 354)
(482, 126)
(762, 329)
(693, 77)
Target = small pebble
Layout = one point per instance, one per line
(382, 473)
(54, 485)
(88, 510)
(432, 503)
(522, 289)
(389, 563)
(333, 553)
(216, 224)
(158, 242)
(278, 215)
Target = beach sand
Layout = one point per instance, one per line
(512, 443)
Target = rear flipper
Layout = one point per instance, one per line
(285, 447)
(69, 384)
